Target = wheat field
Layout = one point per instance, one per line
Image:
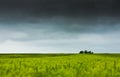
(74, 65)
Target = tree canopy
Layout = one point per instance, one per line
(85, 52)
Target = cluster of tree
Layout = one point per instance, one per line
(85, 52)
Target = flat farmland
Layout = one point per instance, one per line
(59, 65)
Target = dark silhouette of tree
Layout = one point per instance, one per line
(89, 52)
(81, 52)
(85, 52)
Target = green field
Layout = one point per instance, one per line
(60, 65)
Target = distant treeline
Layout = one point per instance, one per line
(85, 52)
(32, 55)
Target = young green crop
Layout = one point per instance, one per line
(79, 65)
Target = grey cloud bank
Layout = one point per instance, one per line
(33, 38)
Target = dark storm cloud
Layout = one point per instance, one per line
(80, 12)
(65, 25)
(61, 7)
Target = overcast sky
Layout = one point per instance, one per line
(59, 26)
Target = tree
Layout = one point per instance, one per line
(85, 52)
(89, 52)
(81, 52)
